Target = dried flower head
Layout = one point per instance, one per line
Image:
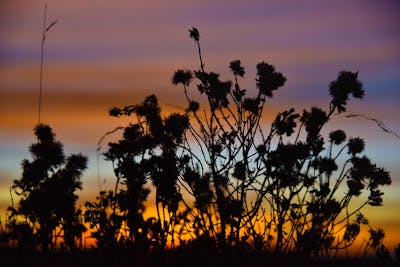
(268, 79)
(337, 137)
(236, 68)
(356, 145)
(182, 76)
(194, 34)
(346, 83)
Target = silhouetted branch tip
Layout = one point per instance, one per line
(378, 122)
(194, 34)
(346, 83)
(237, 68)
(182, 76)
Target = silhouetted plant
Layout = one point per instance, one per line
(223, 180)
(296, 181)
(397, 254)
(147, 152)
(106, 224)
(375, 241)
(47, 189)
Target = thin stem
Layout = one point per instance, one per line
(201, 59)
(12, 199)
(41, 60)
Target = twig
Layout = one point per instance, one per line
(99, 149)
(378, 122)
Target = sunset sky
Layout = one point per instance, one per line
(106, 53)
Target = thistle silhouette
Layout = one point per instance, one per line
(235, 186)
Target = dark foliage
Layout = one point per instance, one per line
(225, 184)
(47, 207)
(234, 186)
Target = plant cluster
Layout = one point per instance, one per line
(223, 179)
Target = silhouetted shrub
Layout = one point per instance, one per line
(47, 191)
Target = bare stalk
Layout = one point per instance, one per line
(44, 32)
(41, 60)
